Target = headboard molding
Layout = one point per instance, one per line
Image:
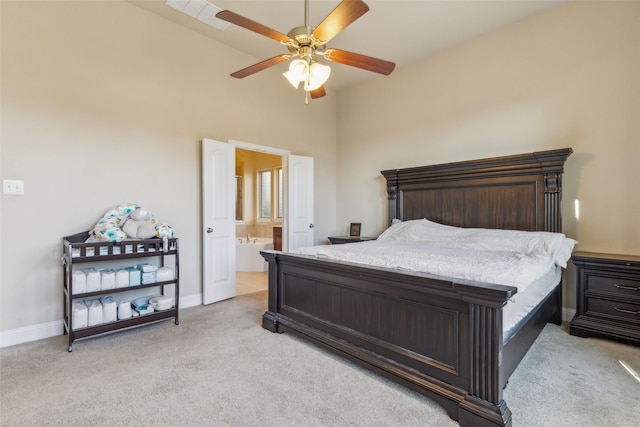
(522, 192)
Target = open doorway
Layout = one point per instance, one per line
(219, 211)
(259, 215)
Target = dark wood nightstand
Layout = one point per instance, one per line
(608, 296)
(348, 239)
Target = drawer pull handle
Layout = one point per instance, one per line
(622, 310)
(629, 288)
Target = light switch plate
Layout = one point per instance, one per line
(13, 186)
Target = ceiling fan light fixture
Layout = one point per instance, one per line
(318, 75)
(298, 72)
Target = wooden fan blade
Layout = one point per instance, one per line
(318, 93)
(361, 61)
(260, 66)
(339, 19)
(241, 21)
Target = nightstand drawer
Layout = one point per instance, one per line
(618, 285)
(612, 309)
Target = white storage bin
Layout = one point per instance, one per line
(107, 279)
(109, 309)
(80, 315)
(93, 279)
(79, 279)
(122, 278)
(95, 312)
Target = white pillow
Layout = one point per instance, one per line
(555, 246)
(414, 230)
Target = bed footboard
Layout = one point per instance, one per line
(440, 337)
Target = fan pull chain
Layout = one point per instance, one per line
(306, 98)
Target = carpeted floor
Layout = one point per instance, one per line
(220, 368)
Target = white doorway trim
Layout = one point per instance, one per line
(260, 148)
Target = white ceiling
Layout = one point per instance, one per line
(401, 31)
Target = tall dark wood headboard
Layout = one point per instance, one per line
(519, 192)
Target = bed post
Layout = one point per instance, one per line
(392, 196)
(553, 202)
(270, 317)
(553, 223)
(484, 405)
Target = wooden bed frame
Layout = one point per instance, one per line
(439, 336)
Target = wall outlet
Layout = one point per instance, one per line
(13, 186)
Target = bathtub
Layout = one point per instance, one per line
(248, 256)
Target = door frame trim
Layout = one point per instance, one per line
(260, 148)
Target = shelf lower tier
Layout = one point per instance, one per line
(119, 325)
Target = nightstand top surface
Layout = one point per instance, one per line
(578, 255)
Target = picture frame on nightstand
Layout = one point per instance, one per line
(354, 229)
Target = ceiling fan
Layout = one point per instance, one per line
(307, 43)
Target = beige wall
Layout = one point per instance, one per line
(104, 103)
(569, 77)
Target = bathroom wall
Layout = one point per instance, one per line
(248, 163)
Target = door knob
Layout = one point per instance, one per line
(209, 230)
(310, 225)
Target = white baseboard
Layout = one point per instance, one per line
(567, 314)
(191, 301)
(53, 329)
(30, 333)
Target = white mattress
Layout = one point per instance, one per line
(517, 309)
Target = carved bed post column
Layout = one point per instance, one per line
(553, 202)
(392, 195)
(484, 405)
(270, 317)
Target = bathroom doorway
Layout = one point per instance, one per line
(220, 211)
(259, 215)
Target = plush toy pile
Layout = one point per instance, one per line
(129, 222)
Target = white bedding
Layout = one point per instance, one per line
(505, 257)
(517, 310)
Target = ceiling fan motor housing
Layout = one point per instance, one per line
(302, 36)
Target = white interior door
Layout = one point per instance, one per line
(300, 202)
(219, 220)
